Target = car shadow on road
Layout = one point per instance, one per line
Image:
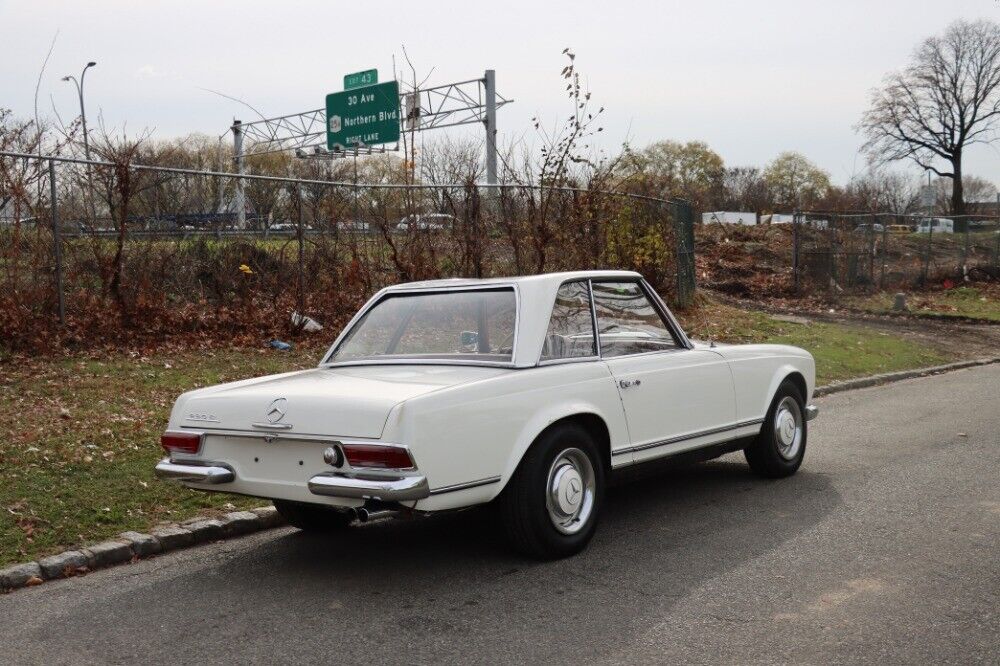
(663, 533)
(449, 588)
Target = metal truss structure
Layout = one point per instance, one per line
(448, 105)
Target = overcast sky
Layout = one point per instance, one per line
(751, 78)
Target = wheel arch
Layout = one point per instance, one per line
(786, 371)
(799, 380)
(588, 417)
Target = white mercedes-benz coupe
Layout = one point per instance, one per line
(527, 392)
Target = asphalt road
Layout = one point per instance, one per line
(884, 548)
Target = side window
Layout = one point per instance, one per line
(627, 321)
(571, 325)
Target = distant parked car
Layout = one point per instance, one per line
(940, 225)
(900, 228)
(429, 222)
(357, 226)
(869, 228)
(729, 217)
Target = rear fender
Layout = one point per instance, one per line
(541, 420)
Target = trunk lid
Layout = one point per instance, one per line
(352, 401)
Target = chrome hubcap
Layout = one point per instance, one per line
(570, 491)
(788, 428)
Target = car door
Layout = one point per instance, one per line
(675, 398)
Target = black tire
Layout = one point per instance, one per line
(523, 503)
(768, 455)
(313, 517)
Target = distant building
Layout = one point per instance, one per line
(729, 217)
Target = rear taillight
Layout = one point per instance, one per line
(180, 442)
(380, 456)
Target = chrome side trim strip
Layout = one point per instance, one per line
(684, 438)
(465, 486)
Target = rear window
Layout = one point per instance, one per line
(465, 325)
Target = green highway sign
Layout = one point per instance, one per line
(363, 116)
(368, 77)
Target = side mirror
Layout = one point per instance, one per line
(469, 338)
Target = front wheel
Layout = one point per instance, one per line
(312, 517)
(781, 445)
(551, 505)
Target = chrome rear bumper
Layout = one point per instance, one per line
(812, 411)
(328, 484)
(388, 489)
(165, 469)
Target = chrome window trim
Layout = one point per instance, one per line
(482, 364)
(410, 290)
(667, 318)
(593, 318)
(593, 324)
(672, 324)
(571, 359)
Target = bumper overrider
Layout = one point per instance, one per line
(812, 411)
(328, 484)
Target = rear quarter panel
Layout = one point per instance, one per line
(480, 431)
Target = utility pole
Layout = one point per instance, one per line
(86, 141)
(490, 83)
(241, 213)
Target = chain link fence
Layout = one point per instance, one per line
(849, 251)
(98, 253)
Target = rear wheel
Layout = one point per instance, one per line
(313, 517)
(781, 445)
(551, 505)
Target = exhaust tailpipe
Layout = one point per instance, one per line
(368, 515)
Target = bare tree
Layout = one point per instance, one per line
(974, 190)
(744, 188)
(947, 99)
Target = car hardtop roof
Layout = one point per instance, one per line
(540, 279)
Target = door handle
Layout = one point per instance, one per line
(627, 383)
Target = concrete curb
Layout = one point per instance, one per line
(889, 377)
(131, 546)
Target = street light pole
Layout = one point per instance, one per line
(86, 140)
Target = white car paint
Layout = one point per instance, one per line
(466, 424)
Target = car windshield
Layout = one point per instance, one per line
(460, 325)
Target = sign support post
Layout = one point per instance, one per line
(490, 82)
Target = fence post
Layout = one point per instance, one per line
(56, 243)
(684, 242)
(996, 252)
(885, 251)
(871, 250)
(796, 221)
(927, 253)
(302, 268)
(965, 249)
(831, 236)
